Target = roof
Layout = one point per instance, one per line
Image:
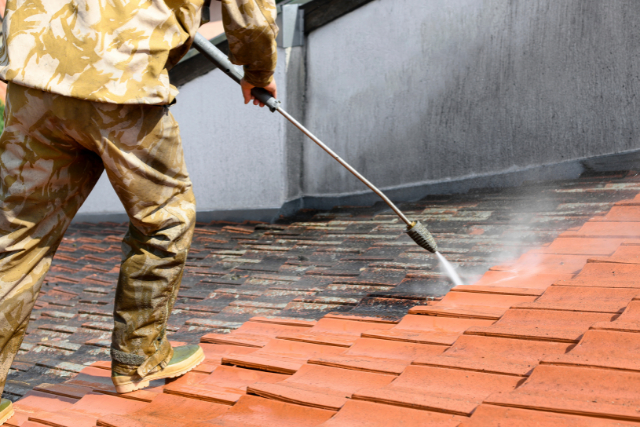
(337, 319)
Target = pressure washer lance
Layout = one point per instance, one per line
(415, 229)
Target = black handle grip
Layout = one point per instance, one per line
(264, 96)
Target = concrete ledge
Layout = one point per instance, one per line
(240, 215)
(629, 160)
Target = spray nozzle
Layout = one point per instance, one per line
(422, 237)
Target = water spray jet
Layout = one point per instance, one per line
(415, 229)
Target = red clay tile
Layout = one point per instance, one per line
(622, 230)
(379, 356)
(522, 280)
(66, 390)
(451, 391)
(603, 349)
(532, 263)
(63, 419)
(167, 411)
(472, 305)
(577, 391)
(494, 355)
(629, 320)
(320, 386)
(284, 321)
(214, 353)
(544, 325)
(357, 413)
(281, 356)
(36, 401)
(621, 214)
(606, 275)
(252, 411)
(581, 246)
(498, 290)
(252, 334)
(625, 254)
(338, 332)
(224, 385)
(427, 329)
(368, 319)
(97, 405)
(583, 298)
(498, 416)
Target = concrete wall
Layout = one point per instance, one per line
(420, 91)
(421, 96)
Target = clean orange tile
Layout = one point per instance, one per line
(452, 391)
(581, 246)
(320, 386)
(625, 254)
(524, 280)
(498, 290)
(498, 416)
(252, 334)
(357, 413)
(427, 329)
(622, 214)
(494, 355)
(472, 305)
(578, 391)
(379, 356)
(167, 411)
(214, 353)
(36, 401)
(224, 385)
(606, 275)
(67, 390)
(629, 320)
(253, 411)
(534, 263)
(97, 405)
(281, 356)
(624, 230)
(63, 419)
(603, 349)
(338, 332)
(546, 325)
(583, 298)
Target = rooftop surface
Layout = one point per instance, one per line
(338, 319)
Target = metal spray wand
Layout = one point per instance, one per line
(415, 229)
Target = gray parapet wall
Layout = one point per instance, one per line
(421, 96)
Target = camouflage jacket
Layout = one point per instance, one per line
(120, 51)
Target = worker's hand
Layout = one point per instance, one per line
(246, 92)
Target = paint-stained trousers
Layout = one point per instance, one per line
(52, 152)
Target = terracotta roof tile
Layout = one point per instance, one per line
(320, 386)
(577, 391)
(379, 356)
(334, 290)
(451, 391)
(494, 355)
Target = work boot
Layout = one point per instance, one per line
(184, 359)
(6, 410)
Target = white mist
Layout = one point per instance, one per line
(451, 272)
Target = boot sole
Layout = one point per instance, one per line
(9, 414)
(171, 371)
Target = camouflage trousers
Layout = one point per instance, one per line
(52, 152)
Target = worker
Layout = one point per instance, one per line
(89, 90)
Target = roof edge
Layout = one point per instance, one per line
(317, 14)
